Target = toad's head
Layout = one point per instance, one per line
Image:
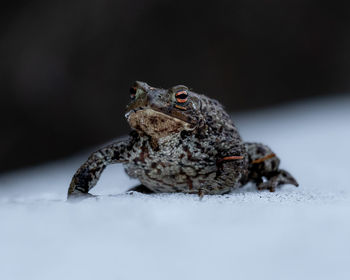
(161, 112)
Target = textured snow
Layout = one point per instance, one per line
(294, 233)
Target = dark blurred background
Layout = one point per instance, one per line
(66, 66)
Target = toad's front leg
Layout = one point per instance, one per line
(89, 173)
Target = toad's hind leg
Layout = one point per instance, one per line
(264, 168)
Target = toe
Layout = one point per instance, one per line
(287, 178)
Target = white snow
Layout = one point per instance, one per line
(294, 233)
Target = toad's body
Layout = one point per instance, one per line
(182, 142)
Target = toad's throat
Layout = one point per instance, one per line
(156, 124)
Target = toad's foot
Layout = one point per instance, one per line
(141, 189)
(281, 178)
(78, 196)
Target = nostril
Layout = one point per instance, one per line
(132, 92)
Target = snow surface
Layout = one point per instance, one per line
(294, 233)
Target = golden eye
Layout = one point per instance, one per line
(181, 96)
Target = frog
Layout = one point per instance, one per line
(182, 142)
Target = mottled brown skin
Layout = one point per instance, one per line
(185, 142)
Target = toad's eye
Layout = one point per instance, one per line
(132, 93)
(181, 96)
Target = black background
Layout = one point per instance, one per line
(66, 66)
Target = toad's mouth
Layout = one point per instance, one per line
(156, 123)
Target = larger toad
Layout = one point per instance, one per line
(185, 142)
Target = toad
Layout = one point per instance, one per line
(182, 141)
